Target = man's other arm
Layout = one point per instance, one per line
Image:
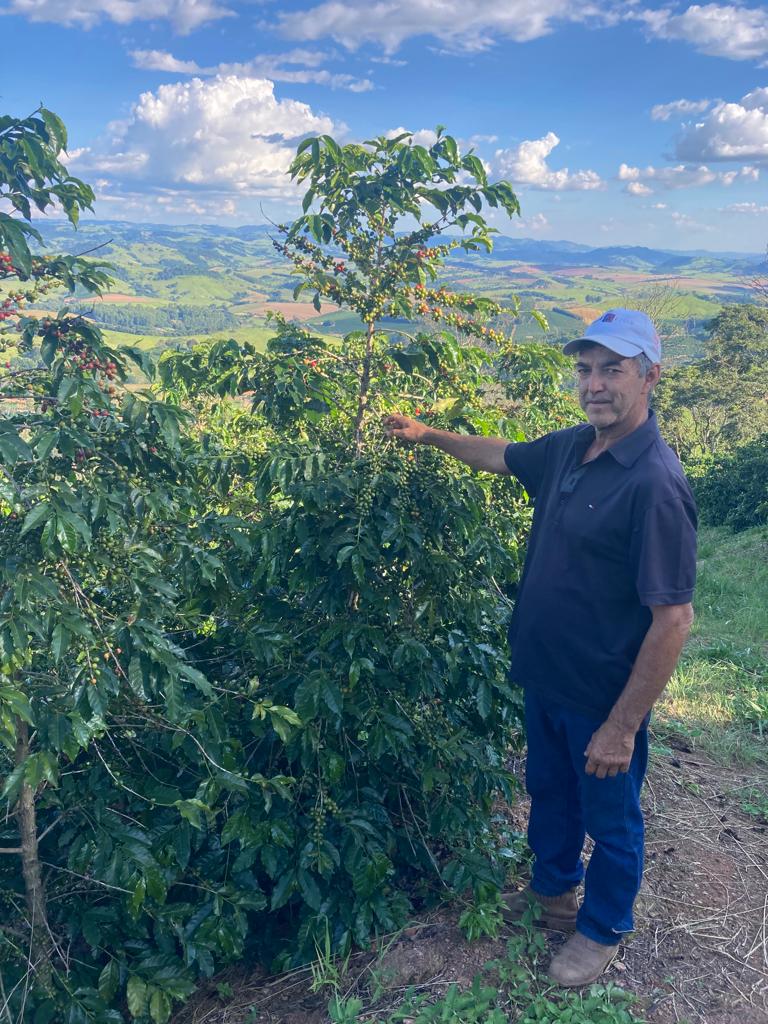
(610, 749)
(486, 453)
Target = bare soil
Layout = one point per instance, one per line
(121, 297)
(293, 310)
(699, 955)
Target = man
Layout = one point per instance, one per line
(603, 610)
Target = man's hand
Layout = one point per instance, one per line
(405, 428)
(486, 453)
(609, 751)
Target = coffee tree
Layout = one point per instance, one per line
(108, 560)
(377, 588)
(252, 694)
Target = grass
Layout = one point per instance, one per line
(717, 700)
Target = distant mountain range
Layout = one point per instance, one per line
(545, 254)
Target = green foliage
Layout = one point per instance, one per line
(510, 989)
(738, 337)
(708, 407)
(354, 250)
(733, 492)
(32, 176)
(182, 319)
(253, 694)
(483, 916)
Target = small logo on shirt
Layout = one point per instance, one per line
(608, 318)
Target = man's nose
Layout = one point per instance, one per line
(595, 381)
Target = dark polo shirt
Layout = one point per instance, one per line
(610, 539)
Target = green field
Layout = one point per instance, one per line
(718, 698)
(158, 268)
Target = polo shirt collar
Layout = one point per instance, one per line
(626, 451)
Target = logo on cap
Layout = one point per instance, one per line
(609, 317)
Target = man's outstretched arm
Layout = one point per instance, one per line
(486, 453)
(610, 749)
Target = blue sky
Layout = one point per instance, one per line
(618, 122)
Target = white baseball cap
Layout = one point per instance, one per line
(628, 332)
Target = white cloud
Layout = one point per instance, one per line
(159, 60)
(526, 164)
(685, 222)
(461, 25)
(296, 66)
(537, 222)
(184, 15)
(681, 176)
(730, 131)
(228, 134)
(393, 61)
(752, 209)
(659, 206)
(423, 137)
(166, 205)
(678, 108)
(718, 30)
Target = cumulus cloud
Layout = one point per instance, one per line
(423, 137)
(226, 134)
(718, 30)
(526, 164)
(184, 15)
(460, 25)
(640, 179)
(297, 66)
(678, 108)
(730, 131)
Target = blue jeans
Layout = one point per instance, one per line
(567, 804)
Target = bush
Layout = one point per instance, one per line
(734, 491)
(252, 663)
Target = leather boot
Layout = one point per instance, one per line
(556, 912)
(580, 961)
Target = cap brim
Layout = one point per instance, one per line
(621, 348)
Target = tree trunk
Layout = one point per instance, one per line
(362, 401)
(30, 863)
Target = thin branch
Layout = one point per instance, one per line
(96, 248)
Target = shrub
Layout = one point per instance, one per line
(734, 491)
(252, 665)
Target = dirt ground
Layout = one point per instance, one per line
(293, 310)
(699, 955)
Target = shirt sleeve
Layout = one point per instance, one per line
(527, 461)
(663, 552)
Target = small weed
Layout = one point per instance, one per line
(474, 1005)
(328, 969)
(224, 991)
(754, 801)
(602, 1004)
(344, 1011)
(483, 917)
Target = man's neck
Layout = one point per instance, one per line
(609, 436)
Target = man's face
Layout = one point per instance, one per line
(611, 391)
